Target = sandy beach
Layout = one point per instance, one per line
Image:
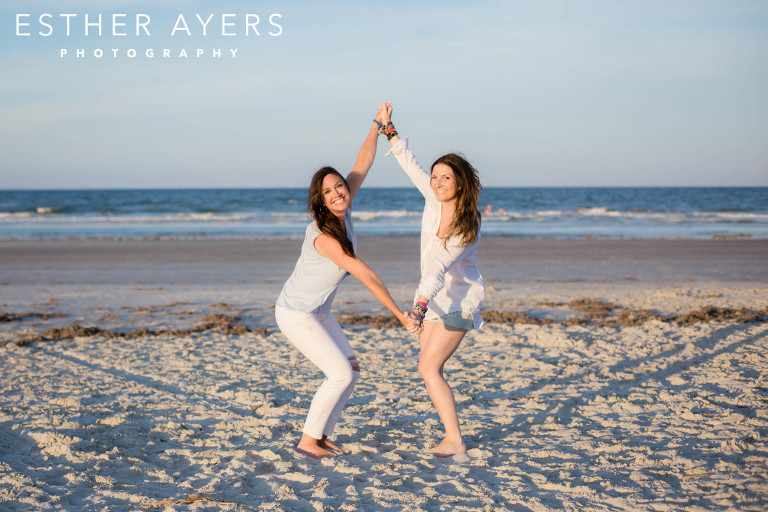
(610, 375)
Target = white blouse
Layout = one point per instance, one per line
(450, 278)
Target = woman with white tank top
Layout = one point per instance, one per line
(303, 308)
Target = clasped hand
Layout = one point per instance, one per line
(384, 115)
(413, 322)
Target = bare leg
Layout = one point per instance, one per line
(438, 343)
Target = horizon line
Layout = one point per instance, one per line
(110, 189)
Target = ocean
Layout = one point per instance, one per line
(613, 213)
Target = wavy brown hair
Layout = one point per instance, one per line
(326, 221)
(466, 219)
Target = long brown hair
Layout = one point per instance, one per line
(466, 219)
(326, 221)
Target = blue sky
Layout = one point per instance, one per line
(544, 93)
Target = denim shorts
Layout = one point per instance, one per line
(458, 319)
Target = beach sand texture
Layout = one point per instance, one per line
(633, 376)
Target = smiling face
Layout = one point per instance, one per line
(335, 194)
(443, 183)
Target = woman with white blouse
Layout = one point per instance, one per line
(451, 288)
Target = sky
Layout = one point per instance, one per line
(533, 93)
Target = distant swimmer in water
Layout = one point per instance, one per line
(489, 209)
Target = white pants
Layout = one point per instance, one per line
(321, 340)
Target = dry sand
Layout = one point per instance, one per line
(177, 391)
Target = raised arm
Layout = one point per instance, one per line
(331, 249)
(385, 111)
(364, 160)
(404, 156)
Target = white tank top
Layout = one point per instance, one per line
(313, 283)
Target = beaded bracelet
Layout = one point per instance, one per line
(387, 128)
(421, 307)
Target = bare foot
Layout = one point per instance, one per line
(449, 448)
(325, 443)
(311, 447)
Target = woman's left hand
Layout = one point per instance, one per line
(384, 115)
(381, 113)
(416, 322)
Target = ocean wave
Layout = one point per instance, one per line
(46, 217)
(588, 214)
(47, 210)
(289, 216)
(361, 216)
(389, 214)
(10, 217)
(733, 216)
(598, 212)
(40, 211)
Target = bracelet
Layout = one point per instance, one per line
(387, 128)
(421, 307)
(381, 126)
